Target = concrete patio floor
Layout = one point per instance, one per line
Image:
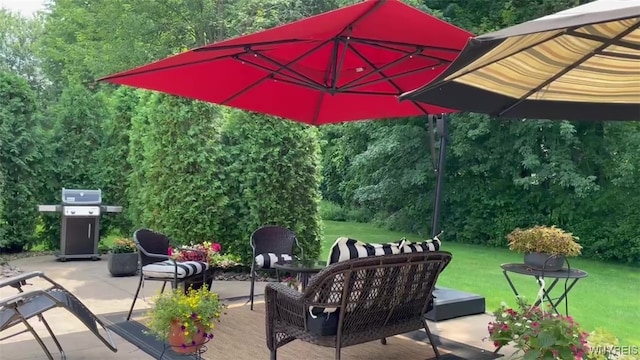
(103, 294)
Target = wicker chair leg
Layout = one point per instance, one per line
(253, 279)
(383, 341)
(274, 354)
(135, 297)
(337, 352)
(431, 341)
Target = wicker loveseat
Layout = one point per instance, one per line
(355, 301)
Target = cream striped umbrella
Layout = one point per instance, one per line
(578, 64)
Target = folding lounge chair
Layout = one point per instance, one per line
(18, 309)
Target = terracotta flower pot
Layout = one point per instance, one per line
(186, 344)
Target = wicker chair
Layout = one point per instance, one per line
(271, 244)
(155, 264)
(363, 300)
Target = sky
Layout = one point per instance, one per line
(25, 7)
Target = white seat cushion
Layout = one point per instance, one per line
(166, 269)
(266, 261)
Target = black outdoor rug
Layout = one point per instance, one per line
(135, 333)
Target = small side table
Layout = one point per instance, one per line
(304, 269)
(574, 275)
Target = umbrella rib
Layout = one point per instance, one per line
(397, 43)
(621, 43)
(604, 45)
(273, 73)
(278, 64)
(394, 76)
(390, 81)
(293, 80)
(214, 47)
(378, 70)
(620, 55)
(382, 46)
(140, 72)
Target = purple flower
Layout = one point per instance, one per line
(193, 342)
(183, 327)
(194, 315)
(210, 336)
(184, 346)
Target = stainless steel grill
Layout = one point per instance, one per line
(80, 222)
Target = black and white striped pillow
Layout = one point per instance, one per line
(266, 261)
(428, 245)
(344, 249)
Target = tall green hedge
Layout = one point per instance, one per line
(175, 185)
(19, 155)
(272, 176)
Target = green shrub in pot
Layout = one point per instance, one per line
(544, 246)
(123, 258)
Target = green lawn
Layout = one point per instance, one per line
(608, 298)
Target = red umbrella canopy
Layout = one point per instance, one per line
(344, 65)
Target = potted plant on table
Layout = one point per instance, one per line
(544, 247)
(185, 321)
(537, 334)
(208, 252)
(123, 258)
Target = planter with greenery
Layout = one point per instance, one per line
(537, 334)
(123, 258)
(185, 321)
(544, 247)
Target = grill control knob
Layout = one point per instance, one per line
(73, 211)
(90, 212)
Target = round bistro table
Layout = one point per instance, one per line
(568, 274)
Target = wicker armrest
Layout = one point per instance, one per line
(285, 304)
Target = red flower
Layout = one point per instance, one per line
(216, 247)
(170, 251)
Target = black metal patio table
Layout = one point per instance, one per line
(571, 275)
(304, 269)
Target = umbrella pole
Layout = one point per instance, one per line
(442, 126)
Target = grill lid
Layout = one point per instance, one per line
(81, 197)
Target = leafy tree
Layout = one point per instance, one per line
(18, 45)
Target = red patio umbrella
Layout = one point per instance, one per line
(343, 65)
